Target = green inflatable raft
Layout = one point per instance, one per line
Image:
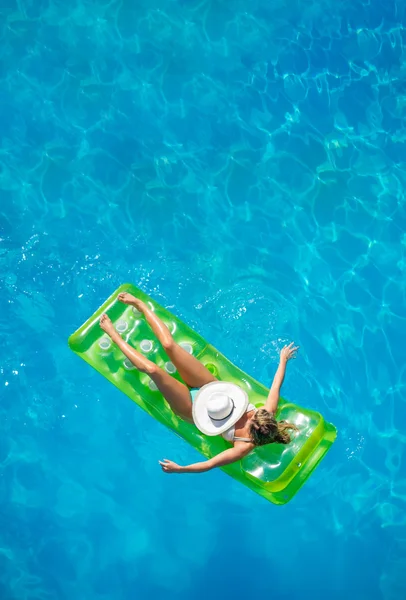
(276, 472)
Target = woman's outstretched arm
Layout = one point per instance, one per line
(287, 353)
(224, 458)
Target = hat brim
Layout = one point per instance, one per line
(201, 417)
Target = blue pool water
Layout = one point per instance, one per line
(244, 163)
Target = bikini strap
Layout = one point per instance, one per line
(238, 439)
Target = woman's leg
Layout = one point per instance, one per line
(175, 392)
(190, 369)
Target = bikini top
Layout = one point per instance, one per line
(229, 435)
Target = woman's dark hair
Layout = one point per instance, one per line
(265, 429)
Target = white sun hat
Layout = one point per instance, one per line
(217, 406)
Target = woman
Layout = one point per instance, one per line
(215, 407)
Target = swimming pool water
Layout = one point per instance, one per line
(244, 163)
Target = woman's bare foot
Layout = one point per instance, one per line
(107, 325)
(126, 298)
(138, 360)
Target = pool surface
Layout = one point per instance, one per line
(244, 164)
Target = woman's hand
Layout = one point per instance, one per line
(272, 401)
(288, 352)
(220, 460)
(168, 466)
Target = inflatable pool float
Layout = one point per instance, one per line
(275, 471)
